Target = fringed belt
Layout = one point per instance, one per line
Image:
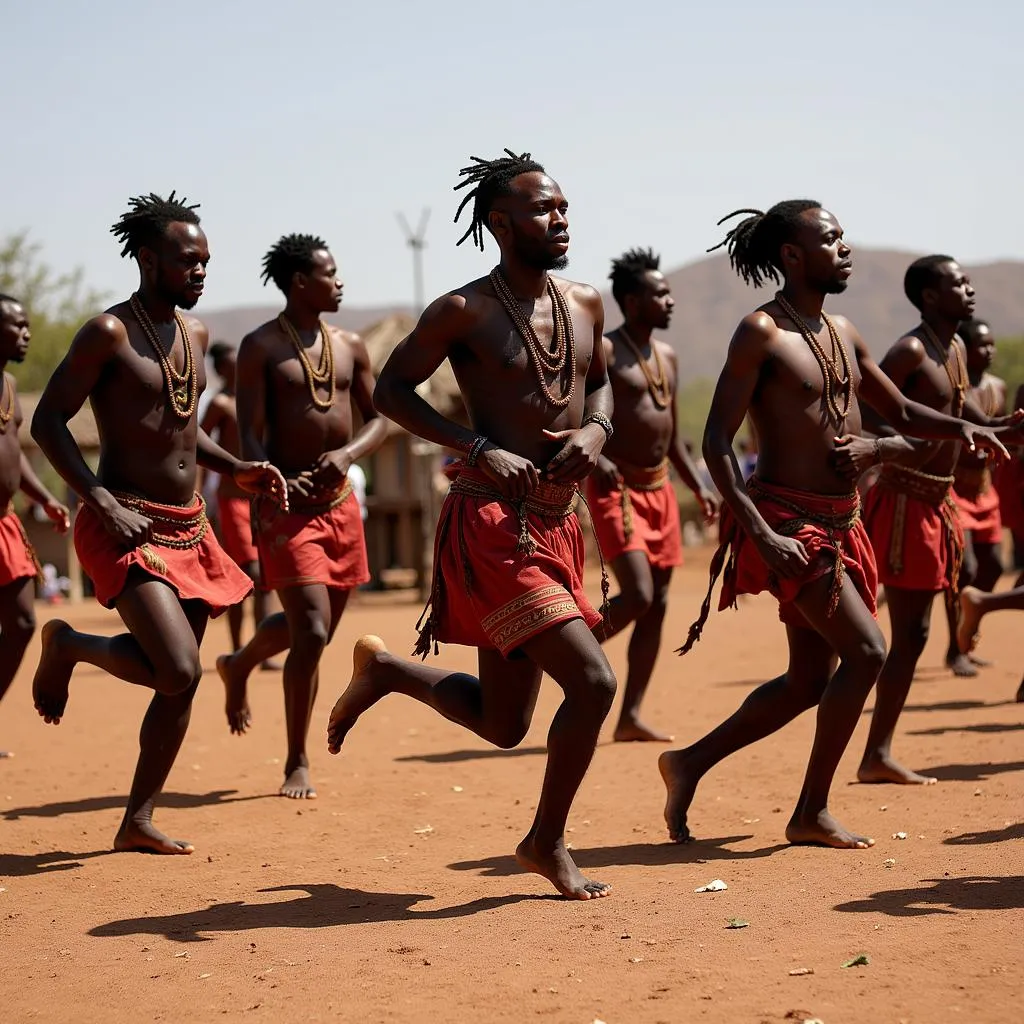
(189, 523)
(9, 511)
(547, 500)
(638, 478)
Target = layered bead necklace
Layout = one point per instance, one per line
(833, 380)
(323, 375)
(657, 381)
(544, 361)
(959, 381)
(182, 388)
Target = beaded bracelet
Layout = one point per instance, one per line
(474, 452)
(878, 450)
(602, 421)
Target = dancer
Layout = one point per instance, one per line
(300, 418)
(527, 351)
(909, 513)
(19, 567)
(795, 528)
(632, 502)
(141, 532)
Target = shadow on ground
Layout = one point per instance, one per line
(14, 865)
(998, 835)
(944, 896)
(640, 854)
(973, 772)
(186, 801)
(454, 756)
(980, 727)
(324, 906)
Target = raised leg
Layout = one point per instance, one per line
(957, 658)
(910, 617)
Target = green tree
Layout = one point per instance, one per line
(1009, 364)
(56, 303)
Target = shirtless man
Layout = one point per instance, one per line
(975, 495)
(234, 507)
(909, 513)
(632, 503)
(297, 380)
(795, 529)
(141, 532)
(19, 566)
(527, 351)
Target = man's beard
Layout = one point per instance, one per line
(834, 287)
(541, 258)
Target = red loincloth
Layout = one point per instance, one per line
(828, 526)
(977, 502)
(17, 556)
(315, 543)
(1009, 480)
(915, 530)
(504, 572)
(183, 552)
(235, 529)
(642, 515)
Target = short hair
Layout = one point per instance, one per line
(491, 178)
(628, 271)
(921, 274)
(968, 329)
(9, 298)
(147, 219)
(290, 255)
(218, 350)
(754, 244)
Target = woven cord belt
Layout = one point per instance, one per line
(29, 550)
(833, 525)
(194, 527)
(638, 480)
(323, 507)
(551, 502)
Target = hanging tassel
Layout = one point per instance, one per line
(153, 560)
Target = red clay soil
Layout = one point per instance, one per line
(394, 897)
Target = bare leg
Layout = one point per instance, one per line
(271, 637)
(498, 707)
(974, 605)
(957, 657)
(264, 603)
(17, 624)
(910, 616)
(235, 613)
(636, 592)
(810, 679)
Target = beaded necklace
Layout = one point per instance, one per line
(6, 414)
(182, 388)
(324, 373)
(554, 362)
(828, 364)
(957, 382)
(657, 381)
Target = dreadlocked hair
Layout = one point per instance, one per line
(753, 245)
(147, 218)
(628, 272)
(491, 178)
(290, 255)
(921, 274)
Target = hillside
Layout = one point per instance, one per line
(710, 300)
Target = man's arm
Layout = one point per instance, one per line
(412, 362)
(733, 393)
(680, 457)
(251, 397)
(35, 488)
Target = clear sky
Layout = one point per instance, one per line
(904, 117)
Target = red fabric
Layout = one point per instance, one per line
(927, 560)
(981, 516)
(1009, 479)
(488, 593)
(202, 573)
(300, 548)
(235, 529)
(748, 573)
(656, 529)
(17, 559)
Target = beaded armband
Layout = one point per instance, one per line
(474, 452)
(602, 421)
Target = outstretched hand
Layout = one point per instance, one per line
(581, 449)
(58, 515)
(262, 478)
(853, 455)
(975, 437)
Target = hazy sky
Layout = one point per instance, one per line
(904, 117)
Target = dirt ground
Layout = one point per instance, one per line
(394, 897)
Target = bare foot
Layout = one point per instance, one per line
(271, 666)
(681, 784)
(885, 769)
(961, 665)
(822, 829)
(970, 619)
(236, 705)
(6, 753)
(53, 674)
(560, 870)
(142, 837)
(632, 731)
(361, 693)
(297, 784)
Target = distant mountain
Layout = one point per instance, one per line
(711, 300)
